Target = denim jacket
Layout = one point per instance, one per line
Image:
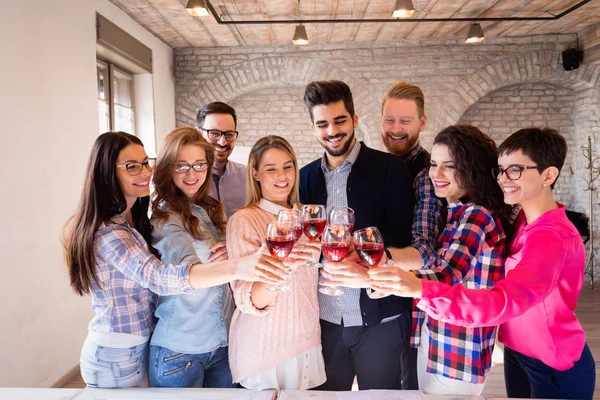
(197, 322)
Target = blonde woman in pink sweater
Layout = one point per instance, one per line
(275, 337)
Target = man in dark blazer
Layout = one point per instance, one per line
(360, 336)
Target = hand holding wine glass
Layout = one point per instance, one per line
(368, 243)
(396, 281)
(261, 267)
(304, 251)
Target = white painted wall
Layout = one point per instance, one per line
(48, 121)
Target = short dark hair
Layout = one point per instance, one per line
(217, 107)
(474, 154)
(546, 147)
(325, 92)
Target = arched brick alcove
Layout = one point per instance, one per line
(254, 75)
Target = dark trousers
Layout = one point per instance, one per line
(527, 377)
(373, 355)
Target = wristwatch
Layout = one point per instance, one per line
(389, 262)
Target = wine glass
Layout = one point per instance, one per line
(293, 217)
(313, 223)
(280, 240)
(341, 216)
(368, 243)
(335, 245)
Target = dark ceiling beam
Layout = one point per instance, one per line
(381, 20)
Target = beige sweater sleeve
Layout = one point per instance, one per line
(244, 237)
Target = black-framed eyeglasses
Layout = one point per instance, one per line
(135, 168)
(215, 134)
(181, 168)
(513, 172)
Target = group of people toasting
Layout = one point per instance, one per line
(412, 264)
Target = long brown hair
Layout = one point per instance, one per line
(253, 190)
(101, 199)
(475, 154)
(169, 197)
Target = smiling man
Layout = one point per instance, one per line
(218, 122)
(360, 336)
(402, 120)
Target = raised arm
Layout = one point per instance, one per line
(466, 244)
(529, 283)
(243, 238)
(118, 246)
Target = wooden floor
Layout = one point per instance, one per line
(588, 312)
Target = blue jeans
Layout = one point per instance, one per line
(110, 367)
(173, 369)
(527, 377)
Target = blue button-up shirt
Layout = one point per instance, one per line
(229, 188)
(198, 322)
(346, 307)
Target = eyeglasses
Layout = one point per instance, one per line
(513, 172)
(215, 134)
(135, 168)
(184, 168)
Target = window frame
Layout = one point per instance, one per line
(115, 71)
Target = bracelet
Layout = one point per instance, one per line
(387, 253)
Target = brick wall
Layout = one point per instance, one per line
(277, 111)
(509, 109)
(459, 81)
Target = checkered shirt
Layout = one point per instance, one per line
(129, 276)
(471, 253)
(428, 217)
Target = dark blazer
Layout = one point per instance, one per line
(380, 191)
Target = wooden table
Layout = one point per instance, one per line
(134, 394)
(368, 395)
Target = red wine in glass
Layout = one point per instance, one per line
(370, 253)
(335, 252)
(280, 247)
(313, 228)
(335, 245)
(297, 233)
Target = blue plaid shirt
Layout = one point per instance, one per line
(346, 307)
(129, 275)
(427, 222)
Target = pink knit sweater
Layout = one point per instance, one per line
(259, 339)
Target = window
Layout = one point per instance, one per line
(115, 98)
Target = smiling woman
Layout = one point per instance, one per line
(275, 340)
(107, 253)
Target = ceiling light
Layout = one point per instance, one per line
(403, 9)
(475, 34)
(197, 8)
(300, 36)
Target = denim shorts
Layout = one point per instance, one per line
(110, 367)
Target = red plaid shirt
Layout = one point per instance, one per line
(471, 253)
